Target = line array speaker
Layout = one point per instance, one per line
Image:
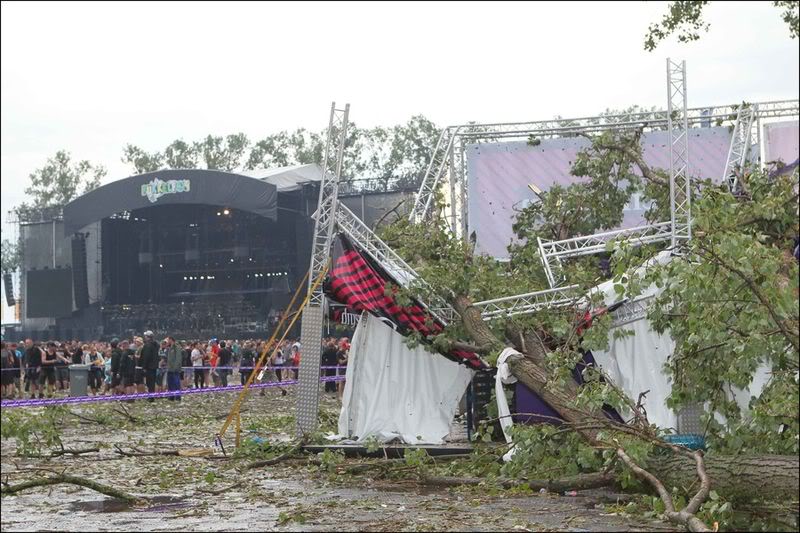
(9, 286)
(80, 280)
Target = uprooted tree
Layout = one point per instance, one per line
(728, 297)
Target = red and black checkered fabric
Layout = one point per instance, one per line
(360, 284)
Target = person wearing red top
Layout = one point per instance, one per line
(214, 349)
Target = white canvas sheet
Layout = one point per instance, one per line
(393, 391)
(636, 363)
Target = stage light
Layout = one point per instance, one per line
(226, 212)
(184, 278)
(231, 259)
(160, 266)
(218, 213)
(202, 277)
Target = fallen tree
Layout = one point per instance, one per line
(730, 300)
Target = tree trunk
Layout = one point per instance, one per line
(530, 369)
(735, 477)
(578, 482)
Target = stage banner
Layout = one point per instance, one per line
(190, 186)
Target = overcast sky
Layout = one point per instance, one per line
(91, 77)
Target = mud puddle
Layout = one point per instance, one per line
(156, 504)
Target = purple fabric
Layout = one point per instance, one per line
(527, 401)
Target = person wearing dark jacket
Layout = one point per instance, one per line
(246, 363)
(127, 368)
(174, 362)
(116, 365)
(329, 359)
(224, 360)
(149, 362)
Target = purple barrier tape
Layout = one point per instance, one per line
(121, 397)
(206, 368)
(251, 367)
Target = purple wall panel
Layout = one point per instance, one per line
(499, 174)
(782, 141)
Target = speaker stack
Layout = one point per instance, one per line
(9, 285)
(80, 280)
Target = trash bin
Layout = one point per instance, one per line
(78, 379)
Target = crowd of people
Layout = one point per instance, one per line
(142, 364)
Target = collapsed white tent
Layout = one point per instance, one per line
(395, 392)
(636, 362)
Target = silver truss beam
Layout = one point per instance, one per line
(596, 243)
(650, 120)
(504, 131)
(553, 252)
(523, 304)
(430, 182)
(352, 226)
(631, 311)
(741, 140)
(677, 124)
(328, 197)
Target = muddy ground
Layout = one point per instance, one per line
(295, 495)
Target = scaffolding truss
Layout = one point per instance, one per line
(456, 138)
(741, 141)
(552, 252)
(313, 315)
(328, 197)
(680, 197)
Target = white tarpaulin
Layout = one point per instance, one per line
(636, 362)
(393, 391)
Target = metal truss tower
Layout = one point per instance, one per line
(680, 197)
(741, 141)
(313, 315)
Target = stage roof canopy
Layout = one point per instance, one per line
(190, 186)
(287, 179)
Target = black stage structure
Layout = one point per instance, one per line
(192, 253)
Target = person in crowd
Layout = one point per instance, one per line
(128, 367)
(96, 362)
(329, 353)
(267, 374)
(108, 374)
(63, 360)
(341, 360)
(8, 360)
(161, 373)
(213, 356)
(279, 361)
(138, 373)
(48, 376)
(235, 350)
(224, 360)
(116, 366)
(197, 364)
(77, 353)
(150, 362)
(186, 363)
(246, 362)
(33, 367)
(16, 348)
(174, 362)
(296, 347)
